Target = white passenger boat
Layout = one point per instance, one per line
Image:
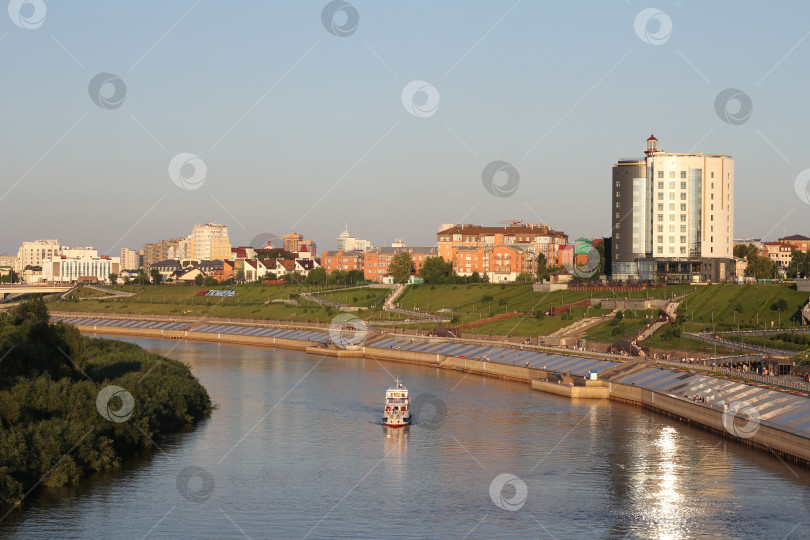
(397, 406)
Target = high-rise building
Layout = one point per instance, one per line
(33, 253)
(180, 248)
(311, 246)
(292, 241)
(672, 216)
(157, 251)
(209, 241)
(347, 242)
(130, 259)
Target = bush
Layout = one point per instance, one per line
(47, 403)
(487, 298)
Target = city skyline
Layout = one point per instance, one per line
(302, 128)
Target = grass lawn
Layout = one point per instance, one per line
(365, 297)
(469, 302)
(754, 301)
(632, 322)
(86, 292)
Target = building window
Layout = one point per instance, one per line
(660, 196)
(672, 217)
(712, 177)
(660, 239)
(672, 174)
(660, 249)
(683, 196)
(672, 185)
(683, 175)
(671, 239)
(671, 250)
(683, 184)
(617, 204)
(683, 239)
(660, 174)
(671, 196)
(660, 207)
(672, 228)
(660, 185)
(712, 216)
(660, 228)
(660, 217)
(683, 250)
(671, 207)
(683, 218)
(683, 208)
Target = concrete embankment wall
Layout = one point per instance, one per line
(789, 444)
(792, 445)
(199, 336)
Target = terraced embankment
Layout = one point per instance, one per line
(771, 420)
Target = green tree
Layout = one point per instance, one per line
(156, 277)
(799, 264)
(292, 277)
(240, 276)
(436, 271)
(210, 281)
(542, 269)
(113, 277)
(199, 280)
(355, 276)
(316, 276)
(337, 277)
(761, 267)
(32, 310)
(11, 277)
(525, 277)
(401, 266)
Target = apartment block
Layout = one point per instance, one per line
(672, 216)
(377, 260)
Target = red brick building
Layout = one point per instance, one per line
(342, 260)
(377, 260)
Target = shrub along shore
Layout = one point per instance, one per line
(72, 405)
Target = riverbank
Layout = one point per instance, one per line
(767, 419)
(71, 406)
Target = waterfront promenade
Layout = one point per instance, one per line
(766, 418)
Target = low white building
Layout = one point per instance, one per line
(80, 264)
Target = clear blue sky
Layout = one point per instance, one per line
(572, 80)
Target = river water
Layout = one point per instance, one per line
(296, 449)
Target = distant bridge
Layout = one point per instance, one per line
(17, 290)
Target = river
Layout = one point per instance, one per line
(296, 449)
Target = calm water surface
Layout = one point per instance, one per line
(296, 450)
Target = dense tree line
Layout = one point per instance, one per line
(51, 427)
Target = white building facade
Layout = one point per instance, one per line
(672, 207)
(130, 259)
(80, 263)
(209, 241)
(34, 253)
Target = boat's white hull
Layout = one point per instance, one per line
(397, 423)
